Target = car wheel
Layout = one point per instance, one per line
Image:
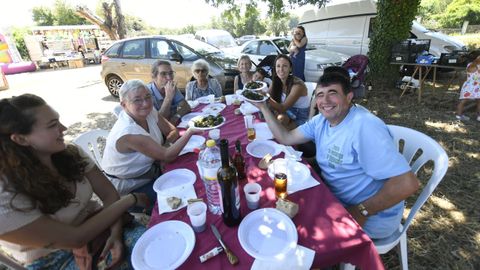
(114, 83)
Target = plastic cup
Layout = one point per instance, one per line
(197, 212)
(214, 134)
(252, 193)
(251, 134)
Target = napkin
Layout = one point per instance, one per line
(291, 153)
(310, 182)
(301, 258)
(248, 108)
(229, 99)
(193, 103)
(185, 192)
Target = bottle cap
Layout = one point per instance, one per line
(210, 143)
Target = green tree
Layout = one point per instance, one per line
(459, 11)
(18, 34)
(43, 16)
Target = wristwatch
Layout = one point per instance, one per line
(363, 210)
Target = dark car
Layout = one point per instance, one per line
(133, 58)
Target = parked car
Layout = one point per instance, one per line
(219, 38)
(316, 60)
(133, 58)
(245, 38)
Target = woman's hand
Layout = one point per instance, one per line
(114, 245)
(141, 200)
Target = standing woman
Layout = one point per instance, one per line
(244, 65)
(471, 88)
(202, 84)
(46, 187)
(297, 51)
(288, 94)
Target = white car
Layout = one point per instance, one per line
(316, 60)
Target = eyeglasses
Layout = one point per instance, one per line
(200, 71)
(139, 101)
(167, 73)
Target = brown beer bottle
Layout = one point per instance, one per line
(227, 177)
(239, 161)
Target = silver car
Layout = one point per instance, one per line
(133, 58)
(316, 60)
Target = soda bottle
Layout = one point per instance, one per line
(209, 162)
(239, 161)
(227, 177)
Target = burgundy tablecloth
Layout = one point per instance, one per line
(322, 222)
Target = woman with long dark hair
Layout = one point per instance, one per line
(46, 209)
(288, 94)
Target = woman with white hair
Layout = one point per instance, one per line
(202, 84)
(135, 145)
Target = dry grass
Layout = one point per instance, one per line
(446, 232)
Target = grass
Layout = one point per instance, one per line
(471, 40)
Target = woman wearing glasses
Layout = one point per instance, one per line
(167, 99)
(202, 84)
(135, 145)
(297, 51)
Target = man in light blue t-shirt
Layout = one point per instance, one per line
(357, 156)
(167, 99)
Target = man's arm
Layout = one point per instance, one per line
(281, 134)
(396, 189)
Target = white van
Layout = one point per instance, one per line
(218, 38)
(347, 28)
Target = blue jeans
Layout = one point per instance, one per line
(299, 115)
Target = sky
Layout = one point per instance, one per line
(159, 13)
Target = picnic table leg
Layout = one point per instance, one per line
(411, 78)
(420, 84)
(434, 77)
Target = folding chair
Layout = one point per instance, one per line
(89, 142)
(414, 143)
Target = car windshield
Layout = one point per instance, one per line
(222, 41)
(199, 46)
(282, 44)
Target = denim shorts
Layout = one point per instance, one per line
(299, 115)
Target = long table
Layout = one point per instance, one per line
(322, 222)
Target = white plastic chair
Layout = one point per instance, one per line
(89, 142)
(9, 263)
(310, 88)
(413, 141)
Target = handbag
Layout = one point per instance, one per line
(84, 255)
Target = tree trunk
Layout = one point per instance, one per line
(91, 17)
(120, 20)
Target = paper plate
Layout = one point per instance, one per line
(187, 117)
(164, 246)
(195, 141)
(261, 87)
(259, 148)
(262, 132)
(267, 234)
(205, 99)
(214, 108)
(191, 123)
(177, 183)
(254, 100)
(297, 173)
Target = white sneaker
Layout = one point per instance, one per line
(463, 117)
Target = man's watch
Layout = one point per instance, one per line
(363, 210)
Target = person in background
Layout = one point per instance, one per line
(47, 212)
(202, 84)
(135, 146)
(167, 99)
(356, 154)
(261, 74)
(81, 50)
(288, 94)
(297, 51)
(244, 65)
(471, 88)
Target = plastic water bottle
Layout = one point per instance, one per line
(209, 163)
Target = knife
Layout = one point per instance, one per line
(231, 257)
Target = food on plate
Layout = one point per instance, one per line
(265, 162)
(252, 95)
(237, 102)
(174, 202)
(288, 207)
(253, 85)
(209, 121)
